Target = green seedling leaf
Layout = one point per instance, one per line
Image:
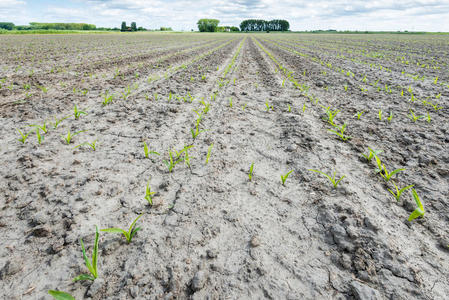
(332, 179)
(250, 173)
(128, 234)
(284, 177)
(58, 295)
(397, 194)
(149, 194)
(91, 266)
(23, 137)
(209, 153)
(77, 113)
(419, 211)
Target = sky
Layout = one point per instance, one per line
(391, 15)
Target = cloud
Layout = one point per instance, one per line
(425, 15)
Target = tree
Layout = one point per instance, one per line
(207, 25)
(133, 26)
(262, 25)
(7, 25)
(123, 26)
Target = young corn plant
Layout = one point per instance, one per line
(331, 114)
(175, 158)
(268, 106)
(196, 131)
(359, 114)
(332, 178)
(128, 234)
(284, 177)
(91, 265)
(147, 151)
(23, 137)
(419, 211)
(380, 115)
(390, 117)
(39, 136)
(398, 192)
(372, 153)
(250, 173)
(58, 295)
(341, 132)
(107, 99)
(209, 151)
(42, 127)
(77, 113)
(230, 102)
(414, 117)
(126, 93)
(92, 145)
(68, 138)
(387, 175)
(58, 121)
(149, 194)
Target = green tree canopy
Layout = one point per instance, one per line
(133, 26)
(7, 25)
(208, 25)
(262, 25)
(123, 28)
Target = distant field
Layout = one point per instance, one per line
(195, 132)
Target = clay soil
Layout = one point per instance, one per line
(211, 232)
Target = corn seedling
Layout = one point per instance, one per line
(77, 113)
(92, 145)
(331, 115)
(230, 102)
(41, 127)
(107, 98)
(341, 132)
(359, 114)
(91, 266)
(149, 194)
(42, 88)
(58, 121)
(126, 93)
(68, 138)
(244, 106)
(173, 160)
(209, 153)
(284, 177)
(387, 175)
(147, 151)
(397, 193)
(128, 234)
(196, 131)
(304, 107)
(346, 88)
(289, 108)
(428, 118)
(414, 117)
(380, 115)
(268, 106)
(332, 179)
(250, 173)
(390, 117)
(39, 136)
(372, 153)
(419, 211)
(58, 295)
(23, 137)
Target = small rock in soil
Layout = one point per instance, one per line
(199, 280)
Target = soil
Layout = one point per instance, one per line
(212, 233)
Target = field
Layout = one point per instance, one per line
(197, 134)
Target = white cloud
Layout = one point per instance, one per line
(425, 15)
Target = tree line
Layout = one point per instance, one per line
(47, 26)
(262, 25)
